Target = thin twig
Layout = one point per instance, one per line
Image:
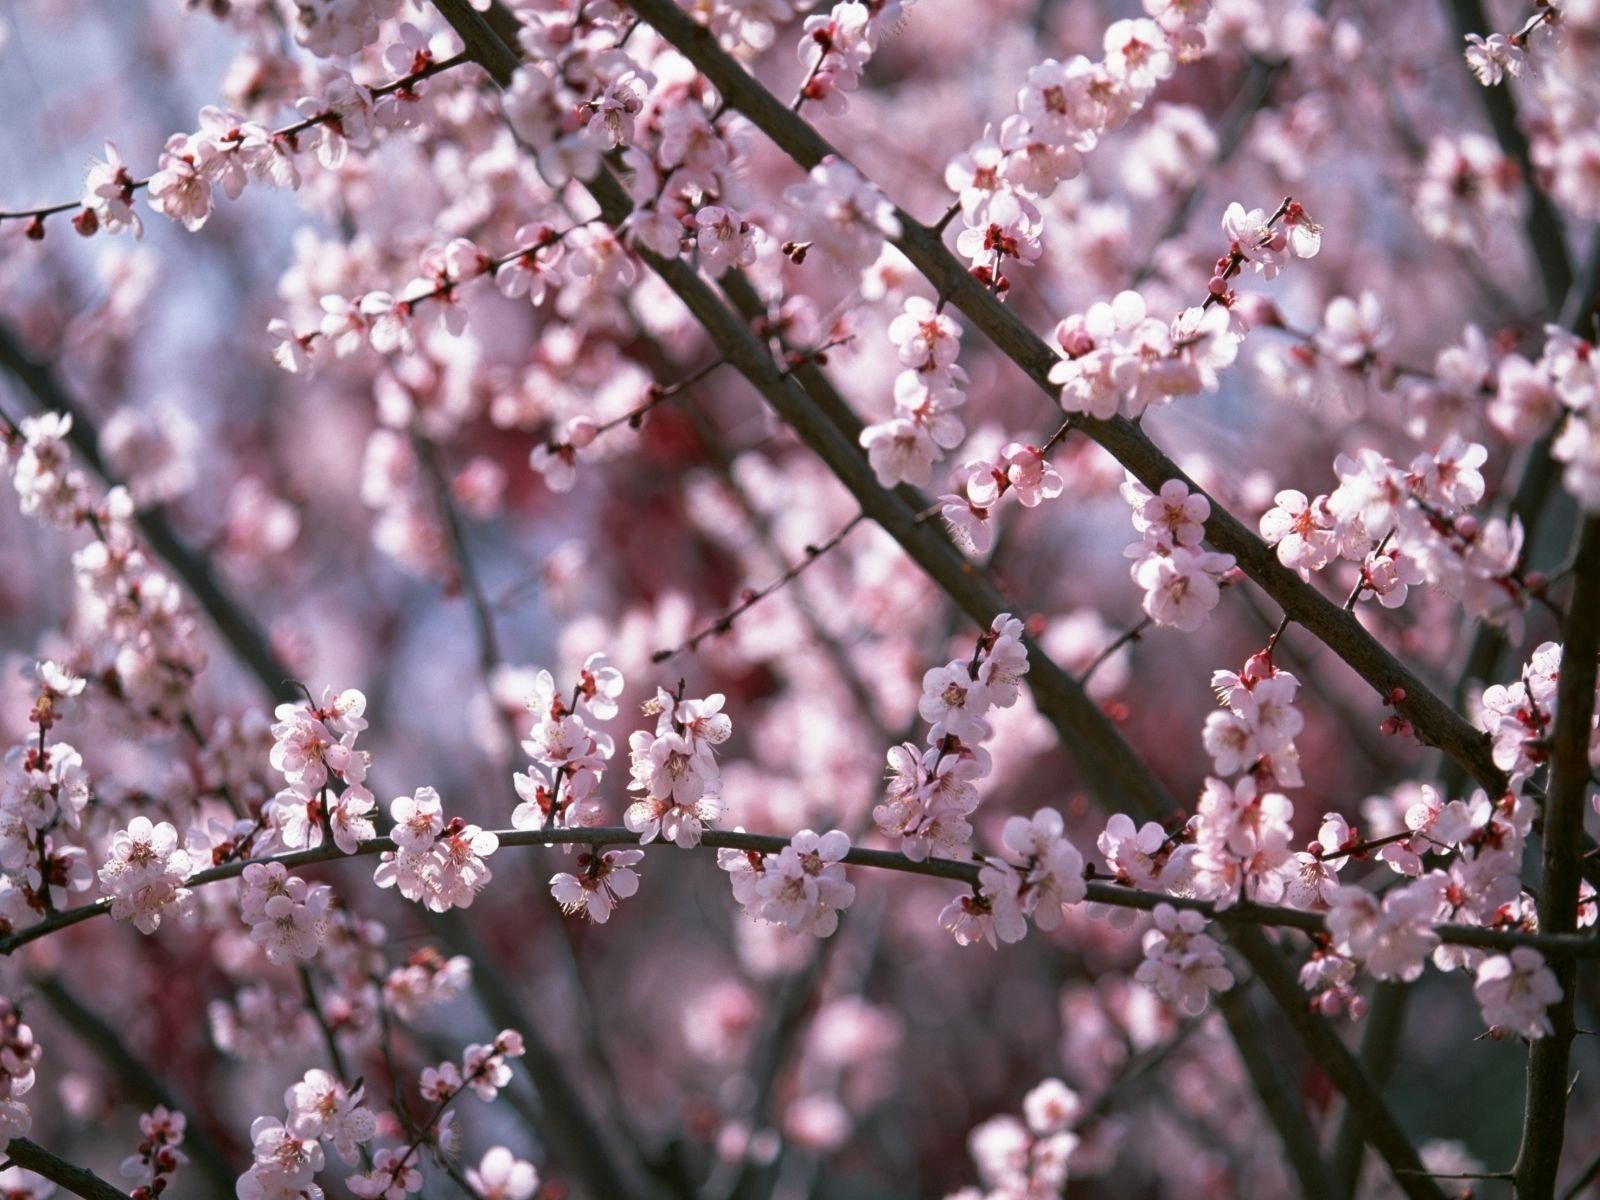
(751, 598)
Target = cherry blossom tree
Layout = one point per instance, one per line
(413, 403)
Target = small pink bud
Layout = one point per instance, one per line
(581, 431)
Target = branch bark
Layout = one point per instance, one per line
(1544, 1117)
(78, 1180)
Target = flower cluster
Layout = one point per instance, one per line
(289, 1152)
(426, 980)
(286, 915)
(47, 484)
(933, 791)
(558, 791)
(19, 1054)
(314, 747)
(1467, 186)
(44, 787)
(1182, 963)
(1038, 874)
(435, 862)
(1182, 582)
(577, 95)
(1480, 884)
(485, 1070)
(1256, 727)
(1026, 1156)
(802, 887)
(1120, 359)
(675, 769)
(904, 448)
(834, 49)
(229, 151)
(1022, 470)
(158, 1157)
(389, 323)
(1063, 111)
(135, 631)
(1406, 526)
(144, 872)
(1519, 717)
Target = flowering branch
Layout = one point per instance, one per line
(1568, 945)
(1434, 720)
(286, 134)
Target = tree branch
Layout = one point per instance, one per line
(1435, 721)
(78, 1180)
(1544, 1117)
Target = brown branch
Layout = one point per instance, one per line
(1544, 1118)
(79, 1181)
(1569, 945)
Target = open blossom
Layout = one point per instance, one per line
(108, 195)
(600, 881)
(1302, 530)
(1493, 58)
(955, 701)
(501, 1175)
(1515, 991)
(927, 339)
(1181, 586)
(1182, 963)
(180, 189)
(1173, 516)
